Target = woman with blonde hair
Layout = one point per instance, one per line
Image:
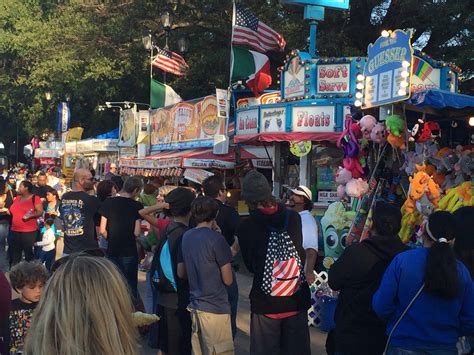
(86, 310)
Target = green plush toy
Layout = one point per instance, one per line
(395, 124)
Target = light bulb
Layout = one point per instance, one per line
(385, 33)
(360, 77)
(360, 86)
(359, 95)
(402, 92)
(357, 103)
(403, 84)
(405, 64)
(471, 121)
(405, 74)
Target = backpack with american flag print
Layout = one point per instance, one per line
(283, 270)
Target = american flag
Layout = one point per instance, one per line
(285, 277)
(249, 31)
(170, 62)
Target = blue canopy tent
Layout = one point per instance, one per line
(113, 134)
(439, 99)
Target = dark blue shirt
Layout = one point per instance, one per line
(204, 252)
(431, 322)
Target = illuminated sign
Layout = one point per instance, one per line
(387, 72)
(313, 119)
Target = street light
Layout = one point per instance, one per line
(166, 19)
(183, 44)
(147, 40)
(48, 95)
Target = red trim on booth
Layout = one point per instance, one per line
(288, 137)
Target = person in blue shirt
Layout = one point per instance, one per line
(444, 308)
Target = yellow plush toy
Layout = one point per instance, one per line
(457, 197)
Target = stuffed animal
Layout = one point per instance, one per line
(353, 166)
(357, 187)
(348, 140)
(421, 183)
(343, 176)
(377, 134)
(434, 128)
(335, 225)
(457, 197)
(395, 125)
(420, 132)
(396, 141)
(367, 124)
(341, 191)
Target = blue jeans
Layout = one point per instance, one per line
(128, 265)
(233, 296)
(400, 351)
(47, 257)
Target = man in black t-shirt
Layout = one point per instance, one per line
(78, 211)
(120, 225)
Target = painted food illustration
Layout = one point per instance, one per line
(209, 119)
(128, 126)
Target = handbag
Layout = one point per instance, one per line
(401, 317)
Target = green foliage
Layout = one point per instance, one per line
(92, 51)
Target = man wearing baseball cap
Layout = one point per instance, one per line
(301, 201)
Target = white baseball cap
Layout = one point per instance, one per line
(303, 191)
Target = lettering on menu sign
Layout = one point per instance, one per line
(247, 122)
(388, 69)
(273, 119)
(333, 78)
(313, 119)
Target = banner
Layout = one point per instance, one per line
(127, 128)
(186, 124)
(63, 116)
(74, 134)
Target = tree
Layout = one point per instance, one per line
(93, 51)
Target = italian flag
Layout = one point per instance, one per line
(252, 66)
(162, 95)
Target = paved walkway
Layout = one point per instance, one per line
(242, 340)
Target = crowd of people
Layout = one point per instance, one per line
(74, 254)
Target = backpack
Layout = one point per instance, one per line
(162, 270)
(283, 270)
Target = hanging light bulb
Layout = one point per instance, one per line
(357, 103)
(360, 77)
(405, 64)
(471, 121)
(360, 86)
(359, 95)
(385, 33)
(405, 74)
(404, 84)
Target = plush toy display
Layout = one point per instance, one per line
(367, 124)
(420, 132)
(335, 224)
(377, 134)
(421, 183)
(343, 176)
(356, 187)
(348, 140)
(396, 127)
(457, 197)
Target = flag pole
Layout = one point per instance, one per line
(232, 36)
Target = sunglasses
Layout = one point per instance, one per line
(90, 252)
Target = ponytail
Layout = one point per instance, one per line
(441, 273)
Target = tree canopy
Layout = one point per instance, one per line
(92, 51)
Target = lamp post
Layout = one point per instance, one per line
(166, 19)
(183, 44)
